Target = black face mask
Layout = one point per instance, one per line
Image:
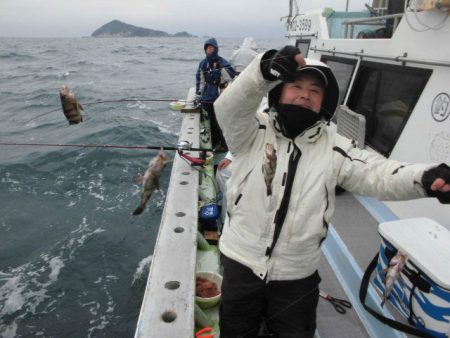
(293, 119)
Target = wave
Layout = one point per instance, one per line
(14, 55)
(142, 269)
(51, 51)
(179, 59)
(30, 290)
(23, 178)
(24, 289)
(82, 63)
(135, 62)
(122, 50)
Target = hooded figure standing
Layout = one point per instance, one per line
(244, 55)
(281, 195)
(213, 73)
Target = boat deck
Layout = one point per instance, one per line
(330, 323)
(360, 236)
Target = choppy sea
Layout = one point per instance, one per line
(73, 260)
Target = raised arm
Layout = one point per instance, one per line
(236, 107)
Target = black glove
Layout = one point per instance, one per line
(429, 176)
(280, 65)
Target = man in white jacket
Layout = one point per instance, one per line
(281, 195)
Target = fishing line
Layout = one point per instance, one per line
(143, 100)
(140, 100)
(34, 118)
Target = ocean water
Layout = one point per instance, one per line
(73, 260)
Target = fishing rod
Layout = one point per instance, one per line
(141, 100)
(262, 61)
(181, 146)
(146, 100)
(137, 100)
(112, 101)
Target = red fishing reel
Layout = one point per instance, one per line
(193, 161)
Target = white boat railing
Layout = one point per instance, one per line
(401, 59)
(375, 21)
(168, 306)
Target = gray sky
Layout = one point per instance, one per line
(75, 18)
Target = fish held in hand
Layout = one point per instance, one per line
(269, 166)
(150, 180)
(396, 265)
(71, 107)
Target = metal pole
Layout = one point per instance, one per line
(346, 6)
(402, 59)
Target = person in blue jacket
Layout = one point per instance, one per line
(213, 74)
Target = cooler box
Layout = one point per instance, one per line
(422, 294)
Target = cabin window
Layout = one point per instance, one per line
(343, 71)
(303, 45)
(386, 96)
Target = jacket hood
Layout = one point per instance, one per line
(212, 42)
(249, 42)
(331, 98)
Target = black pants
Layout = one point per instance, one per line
(217, 139)
(288, 308)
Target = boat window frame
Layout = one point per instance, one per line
(344, 60)
(308, 41)
(356, 90)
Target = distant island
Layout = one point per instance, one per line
(118, 28)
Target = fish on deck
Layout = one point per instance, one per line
(150, 180)
(71, 107)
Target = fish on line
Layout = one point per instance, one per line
(269, 166)
(150, 180)
(70, 105)
(396, 265)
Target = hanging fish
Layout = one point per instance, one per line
(396, 265)
(70, 105)
(269, 166)
(150, 180)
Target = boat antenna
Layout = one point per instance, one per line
(290, 17)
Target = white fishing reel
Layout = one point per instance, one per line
(184, 145)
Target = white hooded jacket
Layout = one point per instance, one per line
(244, 55)
(326, 160)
